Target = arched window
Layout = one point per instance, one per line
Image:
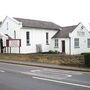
(27, 38)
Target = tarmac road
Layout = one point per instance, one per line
(20, 77)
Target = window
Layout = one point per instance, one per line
(47, 42)
(7, 25)
(76, 42)
(88, 43)
(27, 38)
(14, 34)
(56, 43)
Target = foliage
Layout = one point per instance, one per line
(50, 52)
(87, 59)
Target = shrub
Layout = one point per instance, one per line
(50, 52)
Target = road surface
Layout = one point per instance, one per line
(20, 77)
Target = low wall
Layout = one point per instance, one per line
(76, 60)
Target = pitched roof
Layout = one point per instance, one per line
(38, 24)
(8, 36)
(64, 33)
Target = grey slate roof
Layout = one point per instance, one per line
(64, 33)
(38, 24)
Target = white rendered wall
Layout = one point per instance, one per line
(82, 40)
(37, 36)
(9, 29)
(12, 26)
(59, 49)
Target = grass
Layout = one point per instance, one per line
(45, 58)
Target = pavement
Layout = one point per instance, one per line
(47, 65)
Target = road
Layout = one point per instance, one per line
(20, 77)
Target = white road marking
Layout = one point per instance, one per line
(2, 71)
(69, 75)
(35, 71)
(74, 84)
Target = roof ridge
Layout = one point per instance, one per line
(33, 19)
(64, 33)
(70, 26)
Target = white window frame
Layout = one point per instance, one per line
(56, 43)
(76, 43)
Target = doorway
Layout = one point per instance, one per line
(63, 46)
(1, 45)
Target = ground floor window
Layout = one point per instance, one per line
(88, 43)
(47, 38)
(27, 38)
(56, 43)
(76, 42)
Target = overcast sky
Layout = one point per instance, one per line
(62, 12)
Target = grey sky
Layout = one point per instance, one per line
(62, 12)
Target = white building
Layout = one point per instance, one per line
(35, 35)
(19, 35)
(72, 40)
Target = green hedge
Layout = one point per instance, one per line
(87, 59)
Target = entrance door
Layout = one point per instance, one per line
(63, 46)
(1, 45)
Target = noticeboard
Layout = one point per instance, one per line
(13, 43)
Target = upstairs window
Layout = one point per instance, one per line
(47, 41)
(88, 43)
(56, 43)
(7, 25)
(14, 34)
(76, 42)
(27, 38)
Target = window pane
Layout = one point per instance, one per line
(47, 39)
(27, 38)
(56, 43)
(76, 43)
(27, 35)
(88, 43)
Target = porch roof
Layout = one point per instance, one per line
(64, 33)
(2, 35)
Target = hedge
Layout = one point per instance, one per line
(87, 59)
